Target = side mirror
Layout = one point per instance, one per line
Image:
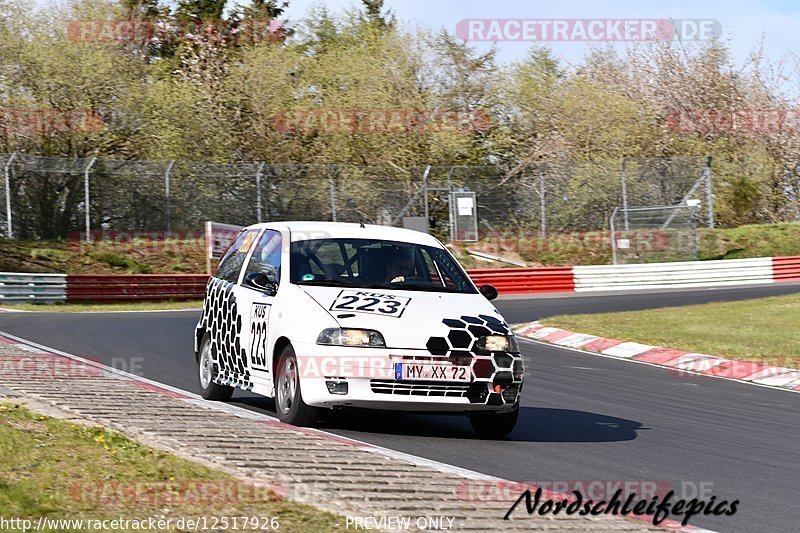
(262, 282)
(488, 291)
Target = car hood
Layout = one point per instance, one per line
(424, 315)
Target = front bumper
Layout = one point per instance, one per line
(496, 380)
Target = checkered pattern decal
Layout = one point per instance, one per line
(224, 324)
(493, 373)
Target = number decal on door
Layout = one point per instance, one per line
(259, 321)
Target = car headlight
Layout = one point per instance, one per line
(351, 337)
(497, 343)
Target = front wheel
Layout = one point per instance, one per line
(494, 425)
(288, 399)
(208, 371)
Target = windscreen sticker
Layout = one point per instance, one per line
(248, 241)
(370, 302)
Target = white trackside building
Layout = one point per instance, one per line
(325, 315)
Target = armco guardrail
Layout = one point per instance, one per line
(16, 287)
(786, 268)
(45, 288)
(669, 275)
(525, 280)
(135, 287)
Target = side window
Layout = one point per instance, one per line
(266, 257)
(326, 260)
(437, 271)
(231, 263)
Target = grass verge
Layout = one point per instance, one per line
(761, 329)
(54, 468)
(102, 308)
(135, 256)
(560, 248)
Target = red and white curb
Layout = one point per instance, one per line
(677, 360)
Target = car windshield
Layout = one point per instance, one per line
(371, 263)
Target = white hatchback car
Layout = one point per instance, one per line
(324, 315)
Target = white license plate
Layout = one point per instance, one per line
(428, 372)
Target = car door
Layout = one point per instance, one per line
(256, 307)
(222, 312)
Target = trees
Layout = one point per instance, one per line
(265, 9)
(200, 10)
(216, 96)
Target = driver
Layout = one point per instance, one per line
(400, 266)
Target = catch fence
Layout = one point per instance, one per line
(50, 198)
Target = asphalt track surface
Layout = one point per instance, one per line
(583, 417)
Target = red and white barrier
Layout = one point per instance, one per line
(135, 287)
(692, 274)
(526, 280)
(668, 275)
(678, 275)
(786, 268)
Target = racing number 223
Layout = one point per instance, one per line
(258, 335)
(369, 302)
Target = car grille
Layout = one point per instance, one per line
(419, 388)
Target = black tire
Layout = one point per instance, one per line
(207, 371)
(494, 425)
(288, 399)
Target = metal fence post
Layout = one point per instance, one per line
(333, 192)
(168, 212)
(7, 172)
(614, 236)
(259, 175)
(542, 203)
(709, 193)
(624, 184)
(449, 200)
(86, 198)
(694, 233)
(425, 193)
(269, 178)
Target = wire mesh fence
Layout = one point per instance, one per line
(654, 234)
(53, 197)
(128, 195)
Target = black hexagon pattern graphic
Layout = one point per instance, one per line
(491, 369)
(224, 325)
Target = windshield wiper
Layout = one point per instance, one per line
(379, 286)
(426, 288)
(387, 286)
(401, 286)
